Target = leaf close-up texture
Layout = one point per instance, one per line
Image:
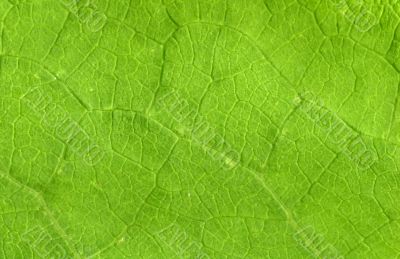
(199, 129)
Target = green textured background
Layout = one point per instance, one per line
(240, 64)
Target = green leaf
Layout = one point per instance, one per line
(199, 129)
